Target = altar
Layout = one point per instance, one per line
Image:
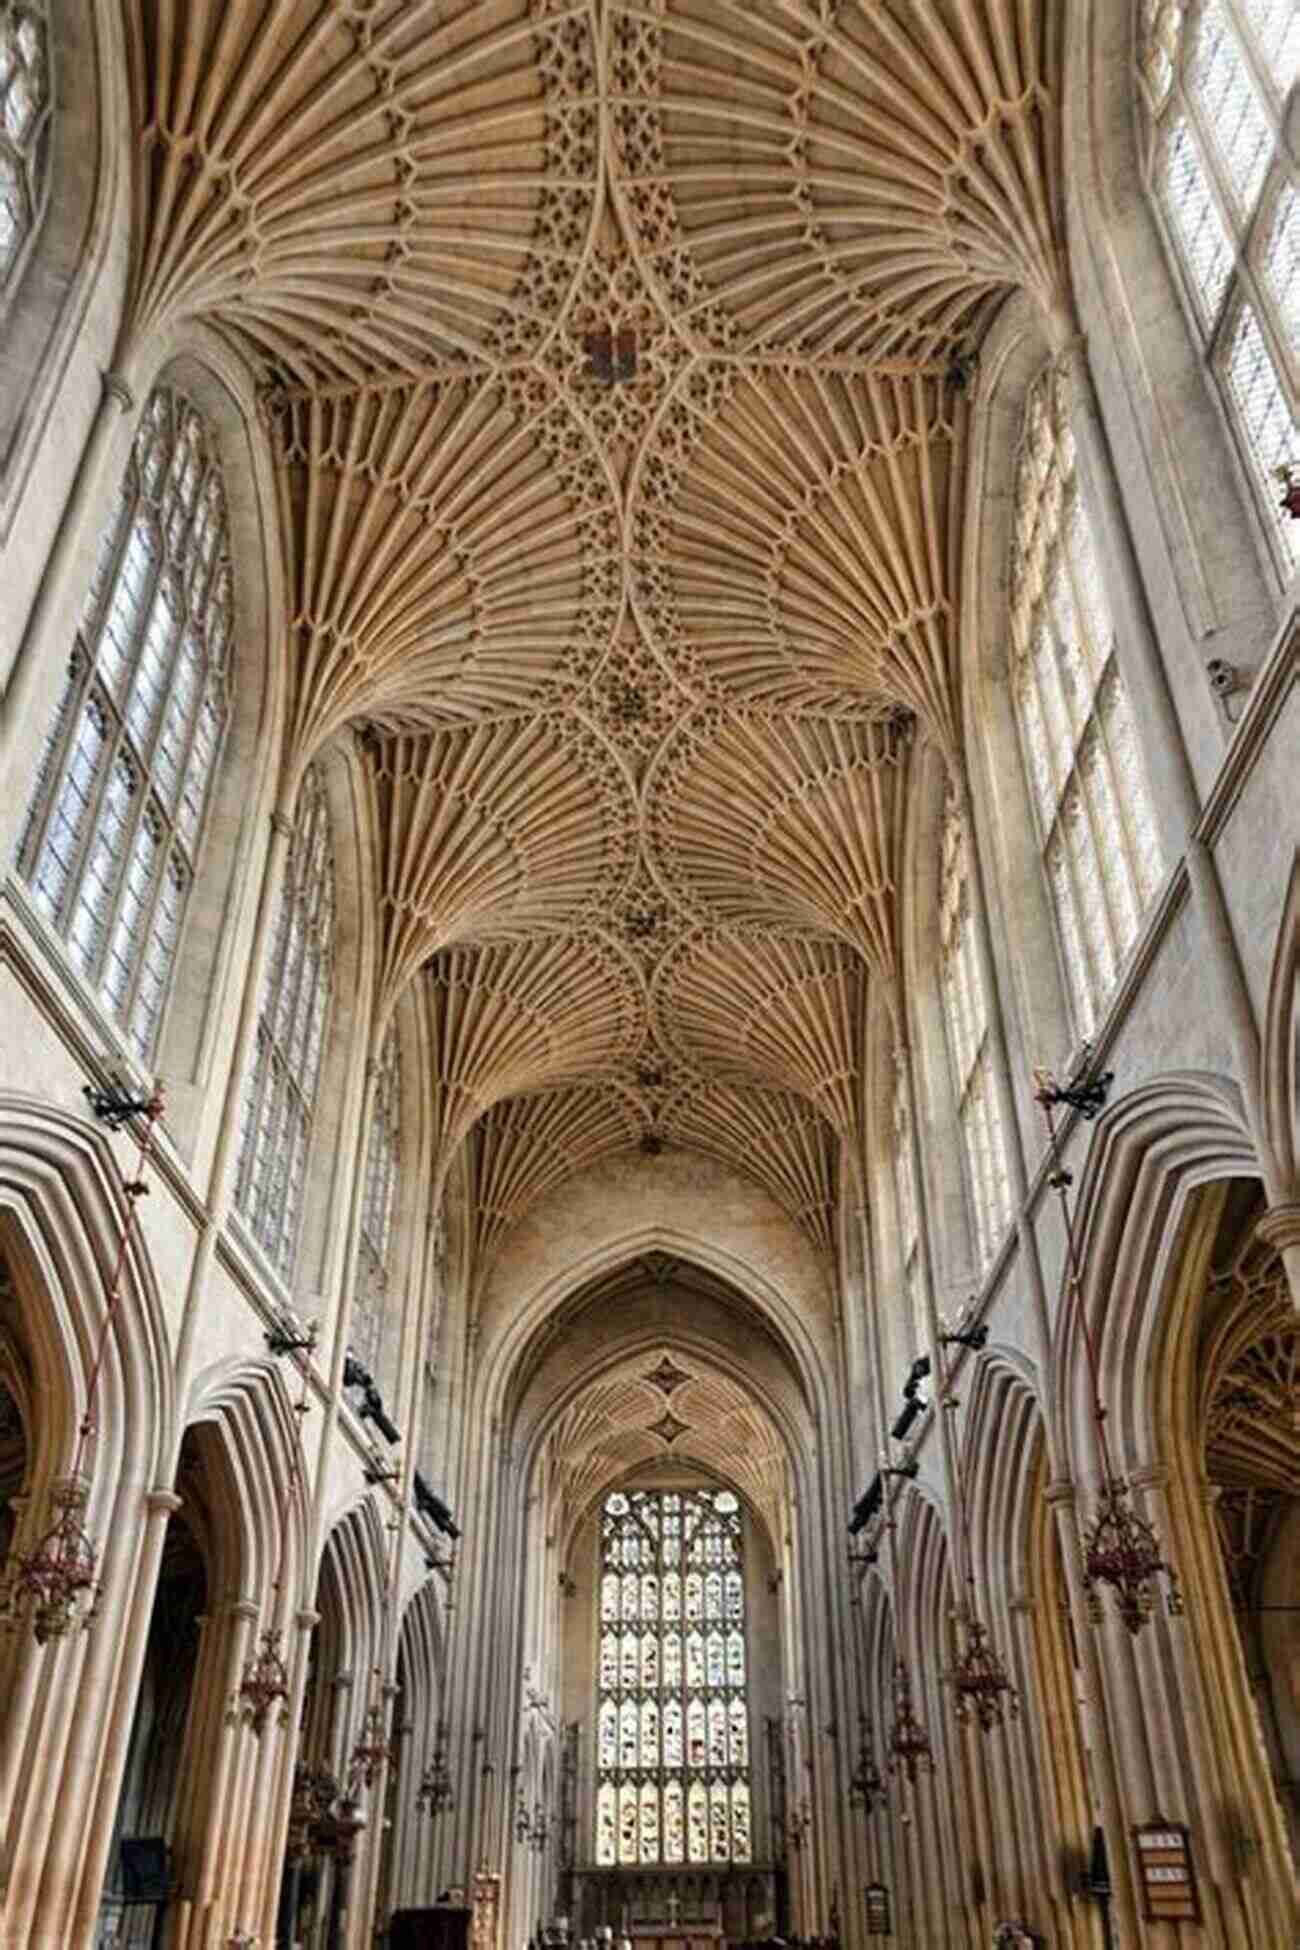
(676, 1929)
(668, 1909)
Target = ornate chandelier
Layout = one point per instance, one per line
(979, 1681)
(54, 1585)
(376, 1748)
(910, 1752)
(435, 1792)
(1120, 1548)
(982, 1691)
(866, 1783)
(264, 1682)
(50, 1581)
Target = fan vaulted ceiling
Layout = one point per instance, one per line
(606, 353)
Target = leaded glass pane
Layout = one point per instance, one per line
(1200, 230)
(1280, 257)
(674, 1823)
(672, 1725)
(606, 1826)
(1234, 113)
(1276, 27)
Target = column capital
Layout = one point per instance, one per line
(243, 1608)
(282, 824)
(1279, 1227)
(116, 388)
(1149, 1476)
(165, 1501)
(1061, 1490)
(306, 1620)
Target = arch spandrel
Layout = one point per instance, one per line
(597, 1222)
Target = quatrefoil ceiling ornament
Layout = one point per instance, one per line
(667, 1376)
(668, 1427)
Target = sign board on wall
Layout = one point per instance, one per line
(1165, 1873)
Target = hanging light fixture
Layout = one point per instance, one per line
(264, 1683)
(981, 1689)
(376, 1747)
(909, 1750)
(866, 1783)
(435, 1794)
(55, 1585)
(1121, 1552)
(979, 1681)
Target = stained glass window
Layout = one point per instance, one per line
(1218, 77)
(672, 1727)
(280, 1092)
(1092, 809)
(123, 782)
(966, 1013)
(25, 108)
(370, 1306)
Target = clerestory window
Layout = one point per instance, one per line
(117, 818)
(1218, 78)
(1096, 830)
(673, 1739)
(279, 1101)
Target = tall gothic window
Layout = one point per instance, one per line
(673, 1722)
(909, 1231)
(1096, 832)
(25, 107)
(965, 1008)
(1218, 78)
(371, 1302)
(116, 821)
(280, 1093)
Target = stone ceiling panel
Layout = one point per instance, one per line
(614, 359)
